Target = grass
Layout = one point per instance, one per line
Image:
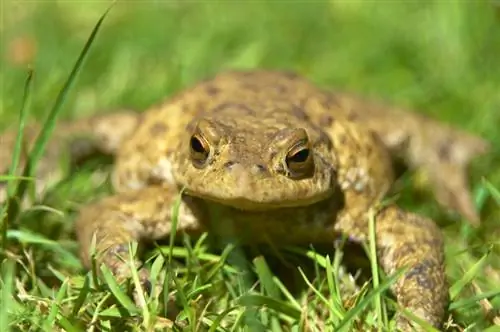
(440, 57)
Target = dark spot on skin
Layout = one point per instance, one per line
(191, 126)
(382, 214)
(200, 107)
(376, 138)
(437, 241)
(160, 205)
(208, 79)
(326, 120)
(244, 109)
(154, 181)
(281, 89)
(325, 138)
(330, 102)
(352, 116)
(421, 272)
(159, 128)
(341, 139)
(249, 86)
(303, 102)
(444, 151)
(129, 198)
(369, 149)
(290, 75)
(246, 73)
(212, 90)
(299, 113)
(143, 146)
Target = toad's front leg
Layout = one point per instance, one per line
(138, 215)
(412, 241)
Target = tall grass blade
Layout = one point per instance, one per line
(17, 153)
(49, 124)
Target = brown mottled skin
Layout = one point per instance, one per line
(278, 160)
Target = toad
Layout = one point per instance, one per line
(278, 160)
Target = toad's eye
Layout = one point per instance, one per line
(199, 150)
(299, 162)
(299, 157)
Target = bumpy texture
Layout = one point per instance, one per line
(268, 157)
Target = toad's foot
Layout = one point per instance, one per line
(142, 215)
(406, 240)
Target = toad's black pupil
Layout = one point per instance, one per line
(300, 156)
(196, 145)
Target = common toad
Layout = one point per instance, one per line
(278, 160)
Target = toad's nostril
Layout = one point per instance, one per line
(260, 168)
(229, 164)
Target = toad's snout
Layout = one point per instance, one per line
(244, 176)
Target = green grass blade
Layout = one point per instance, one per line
(67, 326)
(220, 264)
(50, 322)
(319, 295)
(217, 322)
(283, 307)
(17, 153)
(457, 287)
(23, 114)
(118, 293)
(351, 314)
(49, 124)
(494, 328)
(8, 270)
(80, 300)
(175, 218)
(474, 300)
(494, 192)
(266, 277)
(372, 252)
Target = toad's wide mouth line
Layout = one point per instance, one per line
(246, 204)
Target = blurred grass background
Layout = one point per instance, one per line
(439, 57)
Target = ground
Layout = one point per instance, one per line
(439, 57)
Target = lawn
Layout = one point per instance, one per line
(441, 58)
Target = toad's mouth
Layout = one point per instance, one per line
(246, 204)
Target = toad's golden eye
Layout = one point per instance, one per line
(300, 162)
(199, 150)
